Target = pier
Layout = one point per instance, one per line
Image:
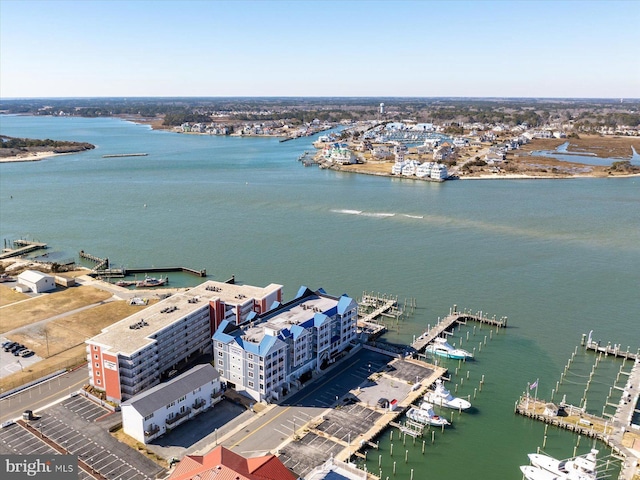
(617, 430)
(447, 323)
(382, 305)
(102, 268)
(20, 247)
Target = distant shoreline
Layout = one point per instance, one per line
(32, 157)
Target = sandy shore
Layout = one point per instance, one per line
(517, 176)
(31, 157)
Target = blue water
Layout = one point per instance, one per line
(558, 257)
(561, 153)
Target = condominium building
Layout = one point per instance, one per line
(267, 356)
(139, 351)
(157, 410)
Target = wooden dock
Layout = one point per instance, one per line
(448, 322)
(382, 305)
(615, 431)
(21, 247)
(614, 350)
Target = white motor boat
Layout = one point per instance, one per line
(443, 398)
(442, 348)
(425, 415)
(534, 473)
(582, 467)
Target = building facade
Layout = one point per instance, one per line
(159, 409)
(37, 282)
(154, 344)
(266, 357)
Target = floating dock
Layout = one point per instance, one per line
(102, 268)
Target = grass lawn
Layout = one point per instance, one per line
(9, 296)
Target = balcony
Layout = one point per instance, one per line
(152, 431)
(177, 416)
(198, 404)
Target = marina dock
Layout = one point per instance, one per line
(449, 321)
(20, 247)
(616, 431)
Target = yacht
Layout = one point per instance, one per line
(424, 414)
(534, 473)
(442, 348)
(582, 467)
(442, 397)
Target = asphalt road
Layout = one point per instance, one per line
(43, 394)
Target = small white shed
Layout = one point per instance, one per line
(37, 282)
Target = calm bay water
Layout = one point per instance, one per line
(558, 257)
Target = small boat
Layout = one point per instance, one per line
(443, 398)
(582, 467)
(442, 348)
(425, 415)
(152, 282)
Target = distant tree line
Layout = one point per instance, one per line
(20, 143)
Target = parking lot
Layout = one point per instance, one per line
(15, 439)
(14, 363)
(71, 426)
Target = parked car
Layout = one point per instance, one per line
(26, 352)
(16, 347)
(17, 351)
(9, 346)
(4, 344)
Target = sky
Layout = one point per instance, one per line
(351, 48)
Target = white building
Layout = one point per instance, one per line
(139, 351)
(163, 407)
(35, 281)
(267, 357)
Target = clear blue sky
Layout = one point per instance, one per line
(320, 48)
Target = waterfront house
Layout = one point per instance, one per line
(270, 355)
(443, 152)
(158, 410)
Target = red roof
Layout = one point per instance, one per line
(223, 464)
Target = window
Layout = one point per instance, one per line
(182, 399)
(97, 365)
(95, 347)
(98, 382)
(220, 354)
(98, 373)
(221, 371)
(250, 356)
(250, 384)
(219, 344)
(149, 416)
(95, 356)
(251, 374)
(250, 365)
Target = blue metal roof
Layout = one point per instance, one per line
(344, 304)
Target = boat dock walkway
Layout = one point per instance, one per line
(615, 350)
(23, 247)
(383, 305)
(617, 432)
(102, 268)
(447, 322)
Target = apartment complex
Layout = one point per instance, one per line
(139, 351)
(267, 356)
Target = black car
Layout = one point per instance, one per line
(9, 346)
(17, 351)
(16, 347)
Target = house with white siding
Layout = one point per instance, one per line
(156, 411)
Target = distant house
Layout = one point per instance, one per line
(443, 152)
(35, 281)
(221, 463)
(152, 413)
